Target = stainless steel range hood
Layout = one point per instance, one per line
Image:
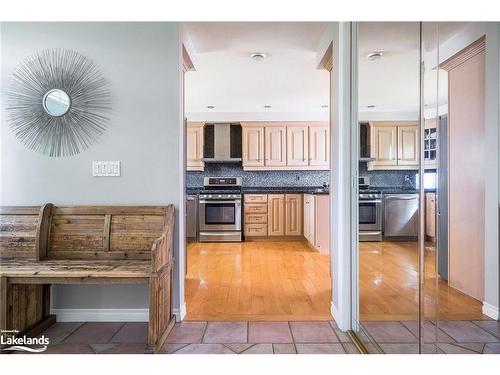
(222, 143)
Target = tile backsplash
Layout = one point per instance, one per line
(388, 178)
(295, 178)
(258, 178)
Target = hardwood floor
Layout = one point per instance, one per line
(264, 280)
(288, 281)
(389, 286)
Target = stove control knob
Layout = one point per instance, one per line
(210, 195)
(220, 196)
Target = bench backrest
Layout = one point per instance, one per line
(82, 232)
(19, 232)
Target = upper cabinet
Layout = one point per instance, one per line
(319, 146)
(286, 145)
(297, 146)
(394, 145)
(194, 146)
(275, 146)
(253, 146)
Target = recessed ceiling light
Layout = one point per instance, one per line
(210, 107)
(374, 55)
(324, 106)
(258, 56)
(370, 106)
(268, 106)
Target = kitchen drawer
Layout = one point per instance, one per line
(255, 198)
(255, 218)
(256, 230)
(255, 208)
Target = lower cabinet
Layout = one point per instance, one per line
(317, 221)
(430, 216)
(293, 214)
(276, 214)
(273, 215)
(309, 218)
(255, 215)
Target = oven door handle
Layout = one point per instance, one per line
(237, 202)
(374, 201)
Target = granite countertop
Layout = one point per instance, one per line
(396, 190)
(272, 190)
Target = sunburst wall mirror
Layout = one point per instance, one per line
(58, 102)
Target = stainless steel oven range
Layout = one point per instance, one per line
(220, 210)
(370, 212)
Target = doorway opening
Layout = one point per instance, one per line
(258, 169)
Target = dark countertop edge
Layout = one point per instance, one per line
(272, 190)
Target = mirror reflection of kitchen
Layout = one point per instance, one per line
(257, 179)
(422, 296)
(389, 128)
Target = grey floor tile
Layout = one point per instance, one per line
(265, 348)
(312, 332)
(284, 349)
(320, 348)
(491, 326)
(400, 348)
(464, 331)
(204, 349)
(186, 333)
(492, 348)
(94, 333)
(130, 333)
(226, 332)
(59, 331)
(389, 332)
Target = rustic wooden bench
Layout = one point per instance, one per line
(41, 246)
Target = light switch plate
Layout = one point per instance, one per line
(105, 168)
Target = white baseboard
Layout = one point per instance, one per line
(101, 315)
(180, 314)
(492, 311)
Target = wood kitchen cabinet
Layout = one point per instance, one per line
(297, 145)
(194, 146)
(253, 146)
(275, 146)
(255, 215)
(293, 214)
(430, 216)
(408, 145)
(394, 145)
(309, 218)
(292, 145)
(276, 214)
(319, 146)
(317, 221)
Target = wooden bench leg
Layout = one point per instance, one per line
(4, 306)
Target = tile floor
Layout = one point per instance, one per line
(454, 337)
(314, 337)
(317, 337)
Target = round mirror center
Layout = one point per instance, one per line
(56, 102)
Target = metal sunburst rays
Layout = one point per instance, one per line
(86, 118)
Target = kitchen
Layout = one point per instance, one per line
(257, 174)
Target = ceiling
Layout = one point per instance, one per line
(392, 84)
(237, 86)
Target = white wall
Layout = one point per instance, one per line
(141, 60)
(340, 209)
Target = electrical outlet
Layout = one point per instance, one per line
(105, 168)
(297, 178)
(407, 177)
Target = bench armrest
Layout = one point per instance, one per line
(162, 250)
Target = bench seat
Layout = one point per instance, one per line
(63, 271)
(42, 246)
